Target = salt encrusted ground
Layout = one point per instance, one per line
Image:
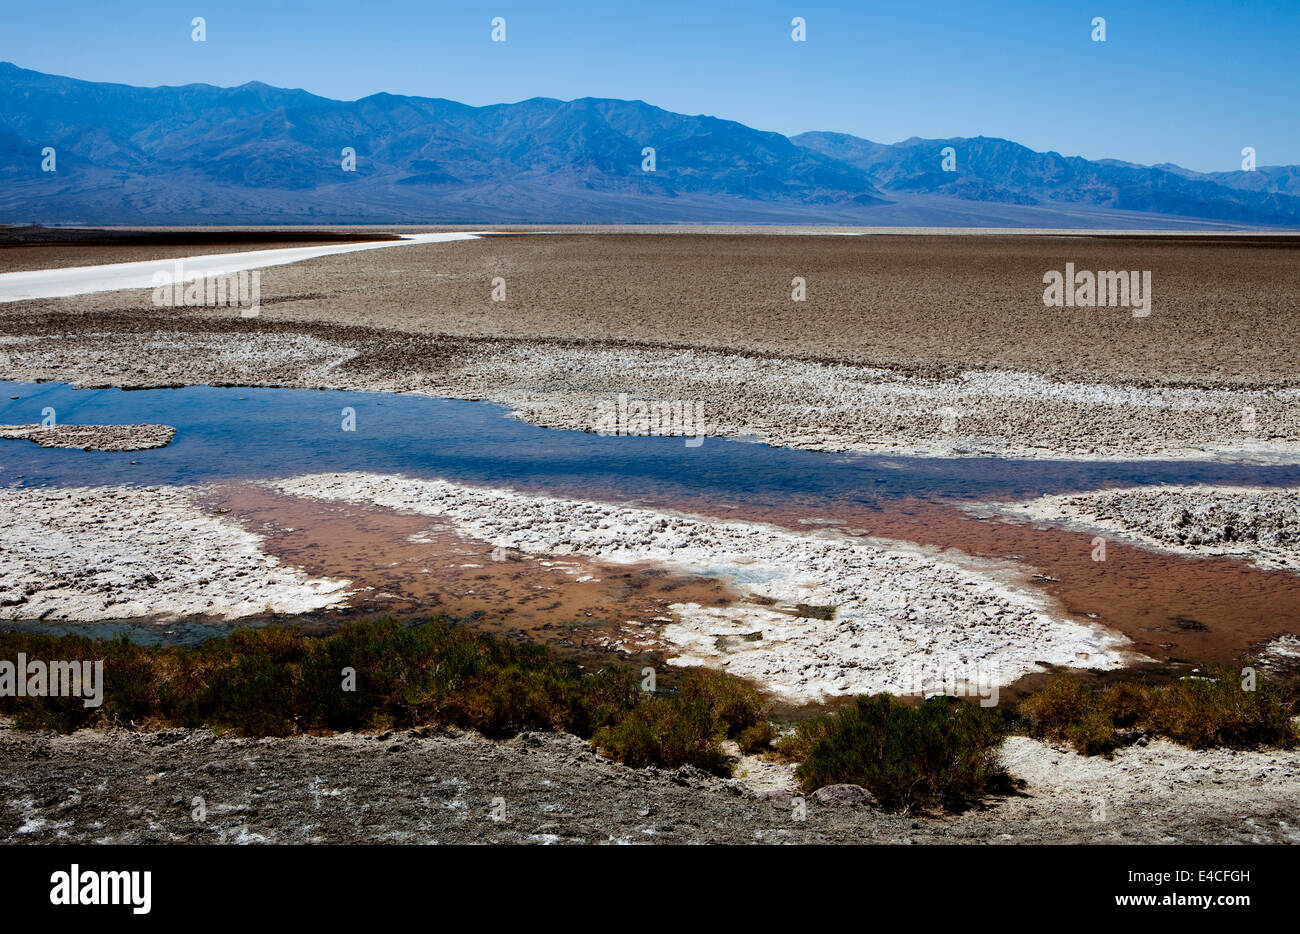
(785, 402)
(63, 281)
(1262, 525)
(922, 344)
(844, 407)
(93, 437)
(897, 615)
(1284, 647)
(109, 553)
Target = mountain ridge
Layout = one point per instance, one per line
(199, 153)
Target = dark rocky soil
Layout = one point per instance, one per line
(127, 787)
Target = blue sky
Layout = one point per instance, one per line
(1188, 82)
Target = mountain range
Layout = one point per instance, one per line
(199, 154)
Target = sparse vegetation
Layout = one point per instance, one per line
(275, 682)
(1202, 711)
(939, 754)
(665, 731)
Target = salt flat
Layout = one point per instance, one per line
(937, 344)
(95, 553)
(84, 280)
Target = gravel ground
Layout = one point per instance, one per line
(1262, 525)
(408, 787)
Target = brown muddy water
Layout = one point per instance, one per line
(414, 567)
(1176, 610)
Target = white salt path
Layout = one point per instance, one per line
(81, 280)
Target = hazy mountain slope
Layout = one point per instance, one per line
(259, 154)
(990, 169)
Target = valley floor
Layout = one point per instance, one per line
(909, 344)
(935, 345)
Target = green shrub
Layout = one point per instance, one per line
(666, 731)
(605, 695)
(1125, 703)
(1093, 734)
(799, 745)
(757, 738)
(1216, 711)
(735, 703)
(942, 753)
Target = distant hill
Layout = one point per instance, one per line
(199, 154)
(991, 169)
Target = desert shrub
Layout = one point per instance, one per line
(253, 695)
(1093, 734)
(278, 682)
(757, 738)
(509, 701)
(1201, 712)
(736, 704)
(666, 731)
(605, 695)
(798, 746)
(687, 725)
(1216, 711)
(942, 753)
(1125, 703)
(1061, 702)
(130, 693)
